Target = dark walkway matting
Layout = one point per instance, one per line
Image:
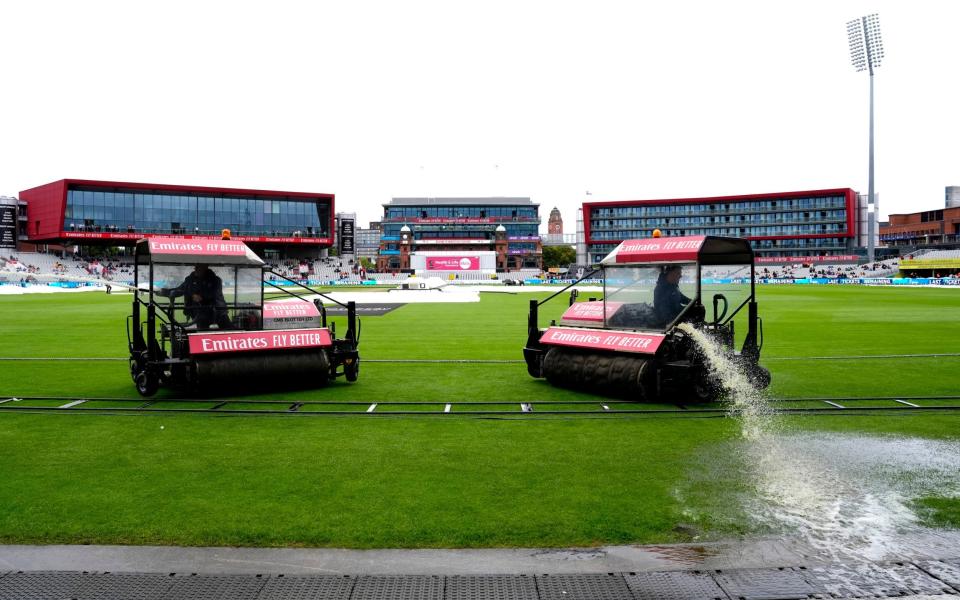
(605, 586)
(492, 587)
(946, 571)
(674, 585)
(861, 580)
(867, 580)
(764, 584)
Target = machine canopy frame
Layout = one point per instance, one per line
(176, 250)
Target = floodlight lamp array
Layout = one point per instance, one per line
(858, 53)
(874, 40)
(866, 45)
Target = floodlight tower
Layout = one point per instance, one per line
(866, 53)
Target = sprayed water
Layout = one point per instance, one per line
(844, 496)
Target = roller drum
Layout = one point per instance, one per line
(308, 366)
(601, 373)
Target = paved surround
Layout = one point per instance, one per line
(862, 580)
(756, 570)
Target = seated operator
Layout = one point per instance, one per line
(668, 300)
(203, 302)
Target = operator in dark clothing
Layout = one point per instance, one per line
(203, 298)
(668, 300)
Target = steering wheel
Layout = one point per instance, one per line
(717, 317)
(171, 313)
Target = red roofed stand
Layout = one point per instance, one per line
(630, 343)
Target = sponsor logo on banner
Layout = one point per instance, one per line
(346, 236)
(620, 341)
(8, 226)
(799, 260)
(196, 247)
(590, 312)
(235, 238)
(453, 263)
(252, 341)
(290, 314)
(679, 248)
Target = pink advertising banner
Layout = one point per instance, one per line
(590, 312)
(240, 238)
(659, 249)
(290, 314)
(294, 308)
(252, 341)
(845, 258)
(453, 263)
(195, 247)
(597, 339)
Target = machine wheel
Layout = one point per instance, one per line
(705, 391)
(351, 370)
(759, 377)
(134, 369)
(147, 383)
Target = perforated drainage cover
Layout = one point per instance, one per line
(916, 580)
(583, 587)
(215, 587)
(399, 587)
(40, 585)
(313, 587)
(490, 587)
(124, 586)
(947, 571)
(869, 580)
(764, 584)
(677, 585)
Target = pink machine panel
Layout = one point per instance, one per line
(253, 341)
(602, 339)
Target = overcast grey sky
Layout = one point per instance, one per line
(372, 100)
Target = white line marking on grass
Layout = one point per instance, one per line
(907, 403)
(372, 407)
(526, 407)
(834, 404)
(605, 407)
(447, 408)
(74, 403)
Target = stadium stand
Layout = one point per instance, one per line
(34, 263)
(937, 254)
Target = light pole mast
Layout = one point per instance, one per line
(866, 53)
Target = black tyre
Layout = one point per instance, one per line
(134, 369)
(147, 383)
(705, 390)
(759, 377)
(351, 370)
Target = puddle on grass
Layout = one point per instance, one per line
(844, 496)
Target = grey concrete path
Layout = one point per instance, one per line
(924, 567)
(764, 553)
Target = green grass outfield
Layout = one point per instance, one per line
(432, 481)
